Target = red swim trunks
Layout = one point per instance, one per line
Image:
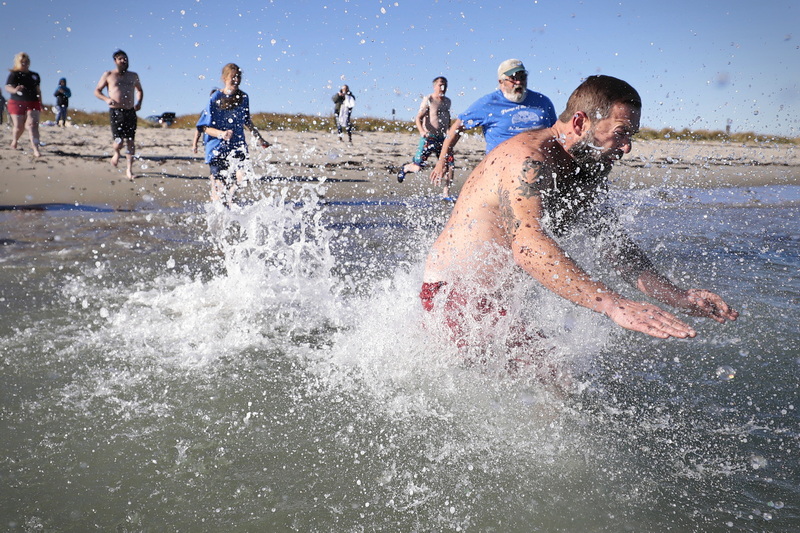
(460, 310)
(475, 322)
(21, 107)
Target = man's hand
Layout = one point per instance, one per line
(648, 318)
(438, 172)
(703, 303)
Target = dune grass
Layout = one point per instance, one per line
(283, 122)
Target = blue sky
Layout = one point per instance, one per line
(697, 64)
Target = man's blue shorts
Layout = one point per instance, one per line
(428, 145)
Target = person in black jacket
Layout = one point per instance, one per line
(62, 94)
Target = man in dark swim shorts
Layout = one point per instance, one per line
(123, 123)
(124, 99)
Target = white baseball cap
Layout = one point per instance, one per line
(509, 67)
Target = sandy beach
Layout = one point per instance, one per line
(75, 168)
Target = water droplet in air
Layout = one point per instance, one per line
(757, 461)
(725, 373)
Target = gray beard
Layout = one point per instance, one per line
(516, 97)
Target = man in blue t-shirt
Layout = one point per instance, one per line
(509, 110)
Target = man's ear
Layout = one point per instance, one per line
(580, 123)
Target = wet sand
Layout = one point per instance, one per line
(75, 166)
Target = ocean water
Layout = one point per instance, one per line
(265, 368)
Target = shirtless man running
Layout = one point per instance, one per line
(123, 90)
(541, 183)
(433, 121)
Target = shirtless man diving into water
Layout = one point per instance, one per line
(542, 183)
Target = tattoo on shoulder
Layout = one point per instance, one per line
(530, 182)
(510, 221)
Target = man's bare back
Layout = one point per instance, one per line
(479, 223)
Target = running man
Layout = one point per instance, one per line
(433, 120)
(511, 109)
(124, 99)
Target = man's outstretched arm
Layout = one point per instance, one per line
(635, 267)
(450, 140)
(541, 257)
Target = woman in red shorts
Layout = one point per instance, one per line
(25, 103)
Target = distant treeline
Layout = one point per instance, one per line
(279, 122)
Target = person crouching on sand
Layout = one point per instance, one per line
(222, 124)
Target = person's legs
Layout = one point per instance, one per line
(129, 157)
(123, 129)
(32, 125)
(116, 147)
(426, 146)
(226, 174)
(116, 134)
(408, 167)
(18, 127)
(216, 168)
(217, 187)
(61, 119)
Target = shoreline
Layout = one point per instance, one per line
(75, 167)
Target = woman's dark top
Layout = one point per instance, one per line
(29, 80)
